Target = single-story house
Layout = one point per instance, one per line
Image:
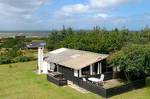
(72, 63)
(86, 69)
(35, 45)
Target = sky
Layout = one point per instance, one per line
(78, 14)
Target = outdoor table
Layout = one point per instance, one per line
(93, 79)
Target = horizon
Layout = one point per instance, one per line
(140, 29)
(48, 15)
(16, 31)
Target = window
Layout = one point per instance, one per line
(52, 66)
(86, 70)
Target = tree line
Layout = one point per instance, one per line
(129, 50)
(97, 40)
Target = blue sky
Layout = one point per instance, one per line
(79, 14)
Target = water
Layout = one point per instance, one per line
(5, 34)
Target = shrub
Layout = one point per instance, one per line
(134, 60)
(5, 60)
(22, 59)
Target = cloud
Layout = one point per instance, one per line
(91, 6)
(72, 9)
(101, 15)
(107, 3)
(19, 8)
(19, 14)
(33, 14)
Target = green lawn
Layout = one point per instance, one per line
(18, 81)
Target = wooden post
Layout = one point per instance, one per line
(100, 64)
(98, 69)
(80, 73)
(91, 69)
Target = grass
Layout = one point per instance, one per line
(30, 53)
(18, 81)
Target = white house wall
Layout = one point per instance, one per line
(40, 59)
(45, 67)
(75, 73)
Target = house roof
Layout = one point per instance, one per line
(72, 58)
(35, 44)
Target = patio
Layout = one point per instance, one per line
(76, 87)
(111, 87)
(113, 83)
(103, 81)
(108, 88)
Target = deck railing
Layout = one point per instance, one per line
(110, 91)
(57, 81)
(97, 89)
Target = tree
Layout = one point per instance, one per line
(54, 40)
(132, 60)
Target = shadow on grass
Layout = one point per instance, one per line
(148, 81)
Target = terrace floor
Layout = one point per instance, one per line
(113, 83)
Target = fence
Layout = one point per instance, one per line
(59, 82)
(111, 91)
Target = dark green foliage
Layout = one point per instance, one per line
(98, 40)
(56, 38)
(22, 59)
(5, 60)
(13, 52)
(8, 59)
(134, 60)
(13, 55)
(13, 42)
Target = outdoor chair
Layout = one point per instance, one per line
(84, 79)
(101, 80)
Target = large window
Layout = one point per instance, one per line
(95, 68)
(52, 67)
(86, 71)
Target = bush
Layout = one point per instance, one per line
(134, 60)
(22, 59)
(5, 60)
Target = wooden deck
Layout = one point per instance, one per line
(56, 78)
(113, 83)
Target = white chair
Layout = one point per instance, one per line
(101, 80)
(84, 79)
(102, 77)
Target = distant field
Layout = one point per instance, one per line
(18, 81)
(27, 34)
